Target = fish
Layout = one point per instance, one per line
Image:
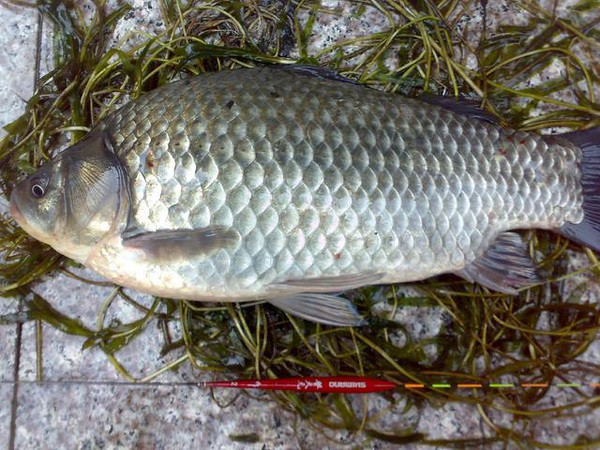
(293, 184)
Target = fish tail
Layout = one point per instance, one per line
(587, 232)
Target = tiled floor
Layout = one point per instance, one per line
(83, 401)
(6, 396)
(17, 60)
(106, 416)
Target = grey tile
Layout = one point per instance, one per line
(336, 28)
(64, 358)
(17, 50)
(6, 395)
(7, 352)
(8, 337)
(101, 416)
(46, 50)
(62, 355)
(144, 16)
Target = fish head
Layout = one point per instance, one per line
(35, 202)
(74, 201)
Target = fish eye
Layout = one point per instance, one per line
(37, 190)
(38, 187)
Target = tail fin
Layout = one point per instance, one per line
(587, 232)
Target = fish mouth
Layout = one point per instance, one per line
(15, 212)
(19, 217)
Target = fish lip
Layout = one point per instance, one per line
(19, 217)
(14, 209)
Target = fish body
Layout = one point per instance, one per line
(274, 183)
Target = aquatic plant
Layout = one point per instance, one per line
(540, 74)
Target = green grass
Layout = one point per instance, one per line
(487, 337)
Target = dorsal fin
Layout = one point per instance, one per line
(316, 71)
(460, 105)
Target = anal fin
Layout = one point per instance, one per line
(504, 267)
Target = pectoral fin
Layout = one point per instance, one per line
(181, 244)
(505, 266)
(322, 308)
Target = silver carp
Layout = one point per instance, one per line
(291, 183)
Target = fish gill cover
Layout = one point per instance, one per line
(538, 72)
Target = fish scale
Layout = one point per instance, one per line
(322, 178)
